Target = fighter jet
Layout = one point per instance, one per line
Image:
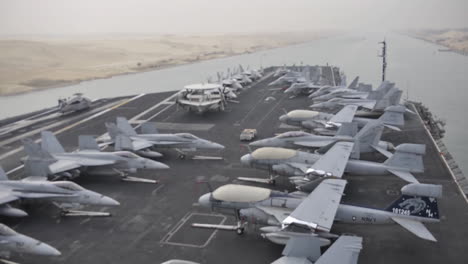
(292, 77)
(326, 124)
(303, 168)
(281, 71)
(306, 249)
(329, 89)
(375, 105)
(368, 139)
(309, 87)
(352, 92)
(88, 158)
(229, 82)
(317, 211)
(251, 74)
(150, 138)
(240, 76)
(12, 241)
(64, 194)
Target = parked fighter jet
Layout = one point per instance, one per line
(251, 74)
(328, 89)
(240, 76)
(12, 241)
(375, 105)
(306, 250)
(280, 211)
(407, 159)
(229, 82)
(292, 77)
(87, 159)
(368, 139)
(150, 138)
(281, 71)
(66, 195)
(309, 87)
(325, 123)
(352, 92)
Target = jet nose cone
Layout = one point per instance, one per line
(259, 143)
(217, 146)
(154, 165)
(283, 118)
(46, 250)
(109, 201)
(246, 159)
(204, 200)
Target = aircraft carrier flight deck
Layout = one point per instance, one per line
(153, 222)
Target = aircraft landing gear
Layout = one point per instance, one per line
(240, 231)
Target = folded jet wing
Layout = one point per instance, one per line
(318, 210)
(334, 161)
(306, 250)
(365, 103)
(345, 115)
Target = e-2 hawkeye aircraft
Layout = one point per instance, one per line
(288, 215)
(327, 124)
(367, 139)
(304, 168)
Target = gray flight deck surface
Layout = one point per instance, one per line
(153, 222)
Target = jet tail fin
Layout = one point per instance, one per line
(34, 151)
(112, 130)
(354, 83)
(416, 203)
(347, 129)
(125, 127)
(369, 136)
(37, 167)
(3, 175)
(148, 128)
(50, 143)
(123, 142)
(86, 142)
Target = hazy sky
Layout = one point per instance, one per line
(221, 16)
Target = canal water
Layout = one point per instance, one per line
(438, 79)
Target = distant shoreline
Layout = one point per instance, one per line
(149, 68)
(134, 64)
(427, 37)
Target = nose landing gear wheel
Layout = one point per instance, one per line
(240, 231)
(181, 156)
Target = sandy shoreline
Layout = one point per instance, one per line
(455, 40)
(28, 65)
